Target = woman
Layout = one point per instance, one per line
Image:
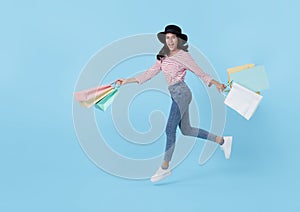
(173, 60)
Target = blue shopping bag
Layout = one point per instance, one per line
(104, 103)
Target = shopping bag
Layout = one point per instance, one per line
(104, 103)
(238, 69)
(253, 78)
(92, 93)
(96, 99)
(242, 100)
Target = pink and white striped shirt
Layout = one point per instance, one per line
(174, 69)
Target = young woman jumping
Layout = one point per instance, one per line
(174, 60)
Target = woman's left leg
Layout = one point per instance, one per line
(187, 129)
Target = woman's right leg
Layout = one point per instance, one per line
(173, 122)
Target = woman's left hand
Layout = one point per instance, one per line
(220, 87)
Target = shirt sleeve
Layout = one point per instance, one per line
(150, 73)
(189, 63)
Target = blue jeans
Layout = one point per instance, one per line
(179, 116)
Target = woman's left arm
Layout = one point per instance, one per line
(187, 60)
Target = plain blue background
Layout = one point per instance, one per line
(45, 45)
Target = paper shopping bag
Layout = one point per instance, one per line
(96, 99)
(253, 78)
(104, 103)
(242, 100)
(92, 93)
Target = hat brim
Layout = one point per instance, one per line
(162, 36)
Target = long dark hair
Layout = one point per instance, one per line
(165, 49)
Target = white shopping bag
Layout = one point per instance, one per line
(242, 100)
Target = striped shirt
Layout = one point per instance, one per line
(174, 69)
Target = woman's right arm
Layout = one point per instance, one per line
(126, 81)
(143, 77)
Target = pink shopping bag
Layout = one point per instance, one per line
(92, 93)
(94, 100)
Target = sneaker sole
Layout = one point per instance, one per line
(230, 145)
(159, 178)
(228, 156)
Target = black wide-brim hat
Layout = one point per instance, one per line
(171, 29)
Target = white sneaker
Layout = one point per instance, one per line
(226, 146)
(160, 174)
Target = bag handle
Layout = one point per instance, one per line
(227, 89)
(115, 85)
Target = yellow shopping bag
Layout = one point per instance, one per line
(238, 69)
(89, 103)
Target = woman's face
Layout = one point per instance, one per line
(171, 41)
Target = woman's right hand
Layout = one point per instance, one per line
(121, 81)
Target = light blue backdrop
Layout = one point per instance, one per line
(44, 46)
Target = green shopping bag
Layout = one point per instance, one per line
(104, 103)
(254, 78)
